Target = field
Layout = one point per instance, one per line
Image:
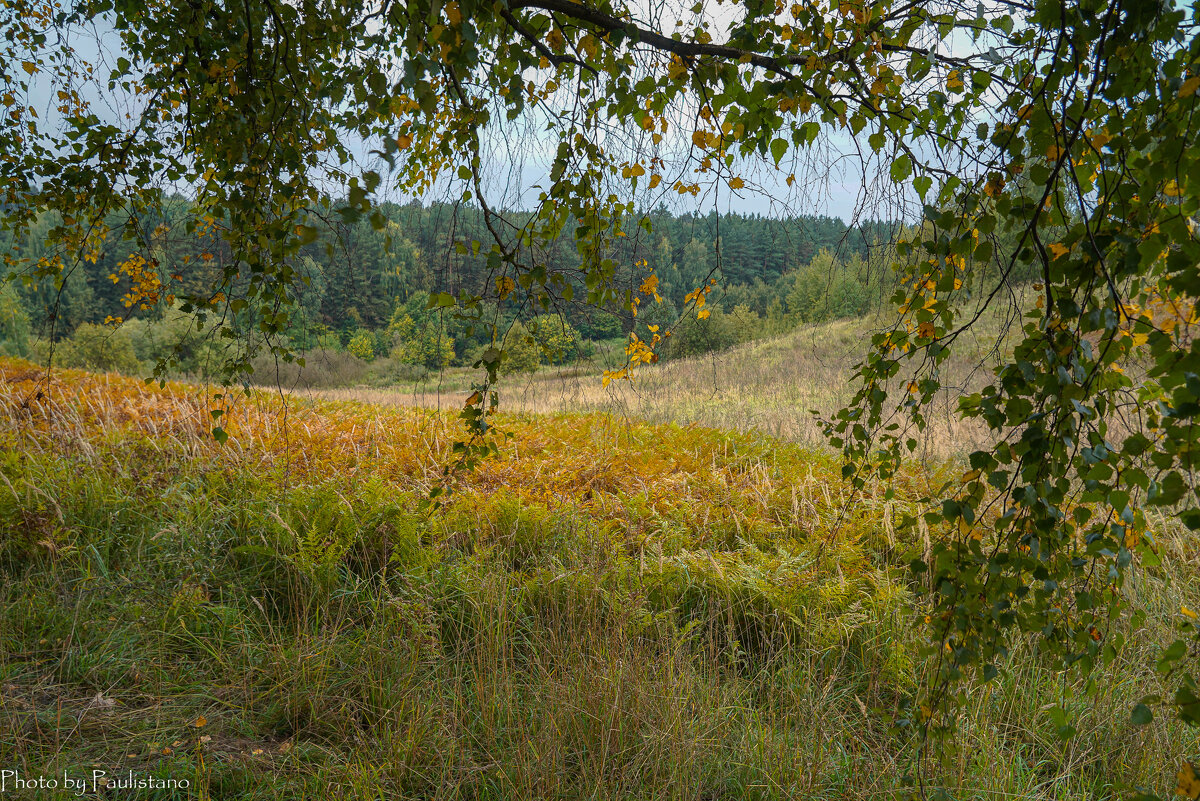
(614, 607)
(769, 386)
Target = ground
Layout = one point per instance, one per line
(611, 608)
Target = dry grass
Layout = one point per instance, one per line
(771, 386)
(609, 609)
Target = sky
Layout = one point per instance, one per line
(831, 178)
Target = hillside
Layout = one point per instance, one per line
(770, 385)
(612, 608)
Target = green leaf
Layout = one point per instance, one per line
(778, 149)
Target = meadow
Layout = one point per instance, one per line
(779, 386)
(611, 608)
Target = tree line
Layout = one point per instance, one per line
(366, 288)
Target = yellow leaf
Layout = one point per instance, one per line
(1190, 86)
(29, 66)
(555, 39)
(926, 330)
(736, 183)
(637, 170)
(967, 529)
(1058, 250)
(504, 286)
(655, 180)
(609, 375)
(954, 81)
(453, 13)
(200, 722)
(403, 141)
(1187, 612)
(1187, 782)
(703, 314)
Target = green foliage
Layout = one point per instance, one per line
(1043, 530)
(599, 325)
(557, 340)
(175, 341)
(828, 288)
(14, 323)
(1066, 127)
(362, 345)
(99, 347)
(522, 354)
(693, 336)
(423, 341)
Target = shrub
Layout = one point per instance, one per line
(600, 324)
(694, 336)
(174, 339)
(555, 337)
(362, 345)
(98, 347)
(521, 351)
(424, 343)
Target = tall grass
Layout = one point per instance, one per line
(608, 609)
(780, 386)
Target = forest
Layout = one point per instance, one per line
(366, 292)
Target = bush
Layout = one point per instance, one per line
(423, 343)
(362, 345)
(600, 324)
(175, 340)
(555, 337)
(747, 325)
(98, 347)
(521, 351)
(694, 336)
(388, 371)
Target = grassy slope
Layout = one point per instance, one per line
(767, 386)
(612, 609)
